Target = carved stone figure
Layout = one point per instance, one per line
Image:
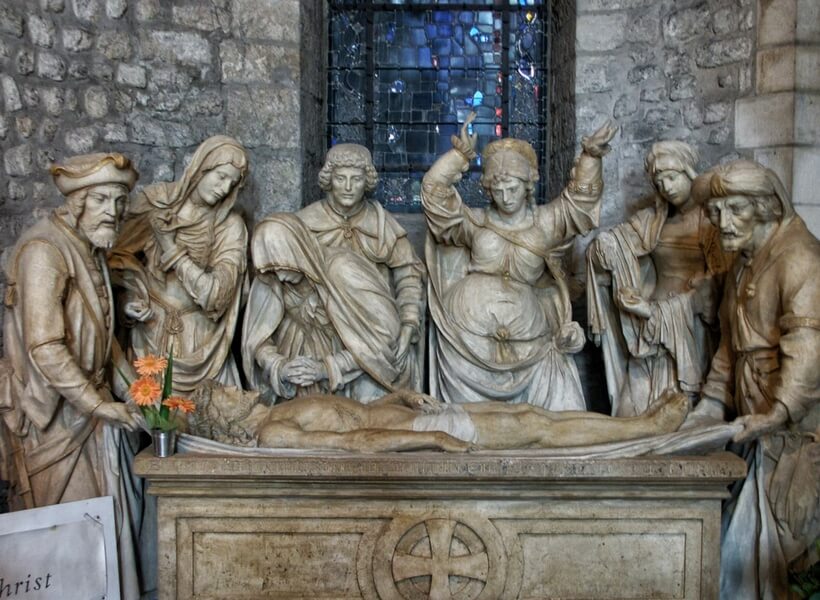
(498, 295)
(181, 260)
(406, 420)
(766, 373)
(652, 290)
(318, 318)
(60, 432)
(338, 303)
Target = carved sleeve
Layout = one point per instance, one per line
(341, 369)
(447, 217)
(799, 377)
(577, 209)
(42, 284)
(215, 286)
(408, 280)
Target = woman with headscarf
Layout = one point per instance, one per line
(318, 320)
(653, 285)
(498, 294)
(181, 259)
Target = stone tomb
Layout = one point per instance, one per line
(482, 526)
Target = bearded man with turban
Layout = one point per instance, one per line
(766, 374)
(61, 430)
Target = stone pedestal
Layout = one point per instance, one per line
(485, 526)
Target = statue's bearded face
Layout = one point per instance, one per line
(737, 219)
(674, 186)
(100, 219)
(347, 187)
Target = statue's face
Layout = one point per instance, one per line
(509, 194)
(217, 183)
(100, 219)
(347, 185)
(673, 186)
(736, 218)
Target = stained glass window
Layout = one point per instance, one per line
(404, 74)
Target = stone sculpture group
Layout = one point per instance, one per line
(711, 297)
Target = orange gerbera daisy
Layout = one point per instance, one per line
(150, 365)
(145, 391)
(181, 404)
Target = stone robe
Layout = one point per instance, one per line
(342, 313)
(58, 337)
(374, 234)
(673, 349)
(496, 304)
(770, 352)
(195, 293)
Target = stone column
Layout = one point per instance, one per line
(273, 79)
(780, 123)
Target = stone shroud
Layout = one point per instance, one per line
(349, 526)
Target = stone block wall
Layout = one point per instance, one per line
(780, 123)
(663, 69)
(152, 79)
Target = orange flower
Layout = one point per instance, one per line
(181, 404)
(150, 365)
(145, 391)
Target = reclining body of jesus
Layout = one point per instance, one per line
(407, 420)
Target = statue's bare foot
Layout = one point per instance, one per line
(669, 411)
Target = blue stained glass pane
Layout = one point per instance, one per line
(418, 36)
(347, 91)
(425, 60)
(431, 69)
(347, 30)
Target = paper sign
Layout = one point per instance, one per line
(61, 552)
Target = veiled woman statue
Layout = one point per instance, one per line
(498, 297)
(652, 288)
(181, 259)
(319, 319)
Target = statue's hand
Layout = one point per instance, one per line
(706, 412)
(630, 300)
(304, 371)
(164, 239)
(117, 413)
(468, 140)
(138, 310)
(597, 144)
(405, 338)
(570, 338)
(424, 403)
(756, 425)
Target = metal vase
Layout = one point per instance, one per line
(164, 442)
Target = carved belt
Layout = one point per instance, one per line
(172, 325)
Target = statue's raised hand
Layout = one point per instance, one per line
(597, 144)
(466, 142)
